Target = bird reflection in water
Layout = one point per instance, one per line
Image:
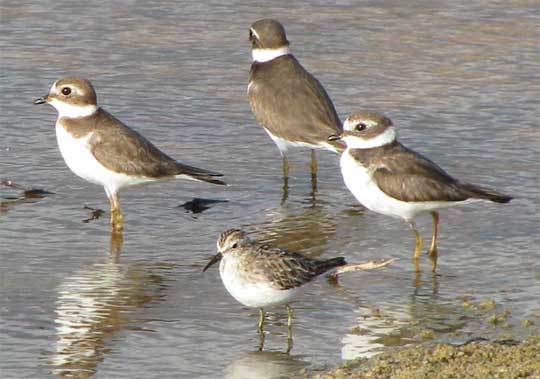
(95, 304)
(427, 314)
(306, 229)
(265, 365)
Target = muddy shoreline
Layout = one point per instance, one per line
(476, 359)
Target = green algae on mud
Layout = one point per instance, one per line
(475, 360)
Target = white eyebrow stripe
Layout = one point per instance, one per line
(255, 33)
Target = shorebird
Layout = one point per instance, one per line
(260, 276)
(287, 101)
(388, 178)
(102, 150)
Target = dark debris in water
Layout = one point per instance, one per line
(199, 205)
(94, 215)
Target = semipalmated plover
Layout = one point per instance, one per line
(388, 178)
(261, 276)
(102, 150)
(287, 101)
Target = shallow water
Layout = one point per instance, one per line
(460, 82)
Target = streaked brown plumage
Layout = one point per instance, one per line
(280, 268)
(260, 275)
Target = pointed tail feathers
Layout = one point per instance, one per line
(486, 194)
(210, 179)
(194, 173)
(329, 264)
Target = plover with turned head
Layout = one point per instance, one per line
(388, 178)
(287, 101)
(102, 150)
(260, 276)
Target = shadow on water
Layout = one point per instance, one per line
(96, 304)
(265, 365)
(199, 205)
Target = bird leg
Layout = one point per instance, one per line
(285, 179)
(261, 341)
(285, 168)
(260, 325)
(433, 248)
(289, 329)
(418, 246)
(314, 167)
(117, 219)
(260, 330)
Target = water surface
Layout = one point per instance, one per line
(459, 81)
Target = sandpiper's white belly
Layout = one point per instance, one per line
(252, 294)
(80, 160)
(359, 181)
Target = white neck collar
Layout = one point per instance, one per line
(265, 55)
(73, 111)
(355, 142)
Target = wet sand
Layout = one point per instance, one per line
(474, 360)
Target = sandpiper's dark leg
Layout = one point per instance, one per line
(260, 329)
(433, 248)
(117, 219)
(289, 329)
(418, 246)
(260, 325)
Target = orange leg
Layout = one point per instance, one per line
(314, 168)
(117, 219)
(419, 242)
(285, 167)
(433, 248)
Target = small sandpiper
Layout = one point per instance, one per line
(102, 150)
(261, 276)
(287, 101)
(388, 178)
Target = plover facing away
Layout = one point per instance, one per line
(287, 101)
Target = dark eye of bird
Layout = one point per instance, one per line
(235, 246)
(361, 127)
(66, 91)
